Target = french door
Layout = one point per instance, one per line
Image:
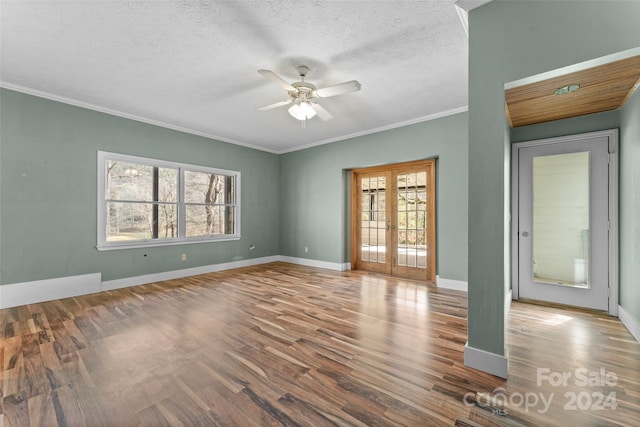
(393, 220)
(564, 218)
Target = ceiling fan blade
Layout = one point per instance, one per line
(352, 86)
(274, 105)
(276, 79)
(322, 112)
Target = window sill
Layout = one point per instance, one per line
(148, 244)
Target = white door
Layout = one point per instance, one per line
(563, 209)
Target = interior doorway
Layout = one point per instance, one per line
(393, 220)
(564, 226)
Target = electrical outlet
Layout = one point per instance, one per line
(184, 257)
(306, 249)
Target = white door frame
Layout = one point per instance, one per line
(612, 135)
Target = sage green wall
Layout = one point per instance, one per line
(314, 193)
(630, 207)
(48, 176)
(49, 179)
(510, 41)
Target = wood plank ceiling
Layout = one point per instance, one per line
(602, 88)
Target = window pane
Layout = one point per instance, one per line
(167, 221)
(421, 222)
(128, 181)
(366, 206)
(135, 182)
(373, 237)
(382, 205)
(208, 188)
(134, 221)
(422, 201)
(412, 221)
(411, 237)
(365, 248)
(167, 185)
(402, 220)
(402, 237)
(142, 201)
(207, 220)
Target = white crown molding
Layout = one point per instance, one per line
(469, 5)
(89, 106)
(463, 15)
(379, 129)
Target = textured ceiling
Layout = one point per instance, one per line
(193, 65)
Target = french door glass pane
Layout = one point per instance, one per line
(561, 219)
(373, 219)
(411, 222)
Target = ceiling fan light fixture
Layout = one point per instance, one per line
(302, 95)
(302, 111)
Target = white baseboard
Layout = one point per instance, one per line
(24, 293)
(631, 324)
(315, 263)
(507, 303)
(16, 294)
(495, 364)
(185, 272)
(456, 285)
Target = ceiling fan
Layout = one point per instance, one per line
(303, 95)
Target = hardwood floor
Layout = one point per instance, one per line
(280, 344)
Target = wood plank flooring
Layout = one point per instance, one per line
(279, 344)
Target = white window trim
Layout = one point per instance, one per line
(103, 245)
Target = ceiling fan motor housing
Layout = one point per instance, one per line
(303, 91)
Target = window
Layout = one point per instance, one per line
(145, 202)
